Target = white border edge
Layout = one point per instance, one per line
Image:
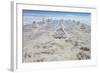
(13, 37)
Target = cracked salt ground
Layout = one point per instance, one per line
(57, 44)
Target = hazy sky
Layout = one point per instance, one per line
(28, 15)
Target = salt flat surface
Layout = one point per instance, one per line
(62, 42)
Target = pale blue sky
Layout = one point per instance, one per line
(53, 13)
